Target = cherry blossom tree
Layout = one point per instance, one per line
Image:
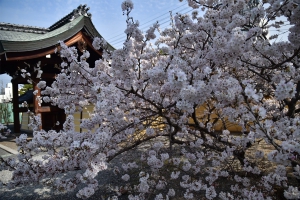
(206, 73)
(4, 131)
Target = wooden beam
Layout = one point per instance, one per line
(20, 56)
(13, 56)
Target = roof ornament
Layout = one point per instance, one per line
(81, 10)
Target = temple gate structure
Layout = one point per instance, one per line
(33, 49)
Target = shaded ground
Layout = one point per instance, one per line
(4, 153)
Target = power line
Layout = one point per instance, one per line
(144, 27)
(279, 30)
(163, 18)
(150, 20)
(121, 39)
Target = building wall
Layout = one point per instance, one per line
(78, 116)
(25, 121)
(6, 93)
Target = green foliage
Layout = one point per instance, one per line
(5, 113)
(25, 88)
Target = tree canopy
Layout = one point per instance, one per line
(208, 72)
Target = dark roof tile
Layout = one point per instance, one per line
(22, 28)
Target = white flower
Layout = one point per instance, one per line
(210, 192)
(152, 160)
(297, 171)
(131, 197)
(285, 90)
(143, 187)
(161, 185)
(142, 174)
(96, 43)
(176, 161)
(75, 144)
(262, 112)
(207, 70)
(41, 84)
(39, 73)
(181, 76)
(185, 178)
(127, 5)
(35, 92)
(164, 156)
(176, 76)
(250, 92)
(188, 195)
(21, 138)
(150, 131)
(159, 197)
(171, 192)
(226, 132)
(85, 192)
(292, 193)
(126, 177)
(197, 185)
(157, 145)
(186, 166)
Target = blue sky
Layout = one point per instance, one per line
(107, 15)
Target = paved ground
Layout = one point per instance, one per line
(4, 153)
(8, 145)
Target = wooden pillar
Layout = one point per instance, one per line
(16, 106)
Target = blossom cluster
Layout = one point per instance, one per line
(215, 102)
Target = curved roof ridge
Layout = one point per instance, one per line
(23, 28)
(81, 10)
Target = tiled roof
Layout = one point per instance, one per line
(19, 38)
(13, 41)
(12, 35)
(82, 10)
(22, 28)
